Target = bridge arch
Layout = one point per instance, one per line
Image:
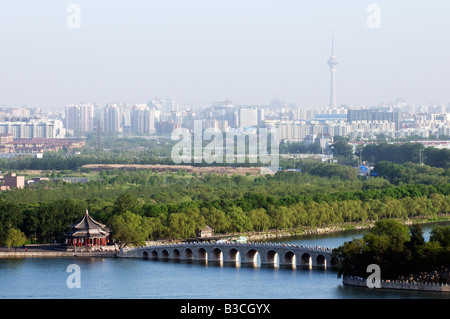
(176, 254)
(233, 256)
(165, 254)
(217, 255)
(251, 257)
(334, 261)
(305, 260)
(272, 258)
(321, 261)
(144, 255)
(289, 259)
(188, 254)
(202, 254)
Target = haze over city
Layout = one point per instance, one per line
(197, 52)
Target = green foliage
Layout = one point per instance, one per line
(128, 229)
(300, 148)
(14, 237)
(396, 153)
(441, 235)
(341, 147)
(176, 204)
(407, 152)
(398, 251)
(437, 157)
(410, 173)
(328, 170)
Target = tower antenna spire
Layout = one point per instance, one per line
(332, 40)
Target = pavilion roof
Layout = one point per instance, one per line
(88, 227)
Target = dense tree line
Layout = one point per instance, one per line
(176, 204)
(410, 173)
(399, 251)
(407, 152)
(48, 220)
(300, 148)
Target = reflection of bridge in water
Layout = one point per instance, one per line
(270, 254)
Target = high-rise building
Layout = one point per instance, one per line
(126, 115)
(86, 117)
(79, 117)
(372, 115)
(34, 128)
(222, 111)
(71, 117)
(112, 118)
(248, 117)
(143, 120)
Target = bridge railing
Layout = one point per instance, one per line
(265, 245)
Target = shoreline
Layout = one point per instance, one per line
(396, 285)
(56, 254)
(53, 251)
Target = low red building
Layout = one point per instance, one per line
(13, 181)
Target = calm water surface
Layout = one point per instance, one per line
(129, 278)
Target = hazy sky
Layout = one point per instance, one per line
(199, 51)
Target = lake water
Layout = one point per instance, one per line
(115, 278)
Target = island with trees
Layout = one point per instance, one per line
(402, 254)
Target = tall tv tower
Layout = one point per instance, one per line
(332, 62)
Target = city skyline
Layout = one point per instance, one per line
(197, 52)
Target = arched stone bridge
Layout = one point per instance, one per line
(270, 254)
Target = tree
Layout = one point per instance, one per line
(125, 202)
(14, 237)
(397, 233)
(217, 219)
(441, 234)
(383, 245)
(437, 157)
(416, 235)
(180, 226)
(352, 260)
(341, 147)
(11, 216)
(396, 153)
(153, 227)
(127, 229)
(282, 218)
(239, 220)
(259, 219)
